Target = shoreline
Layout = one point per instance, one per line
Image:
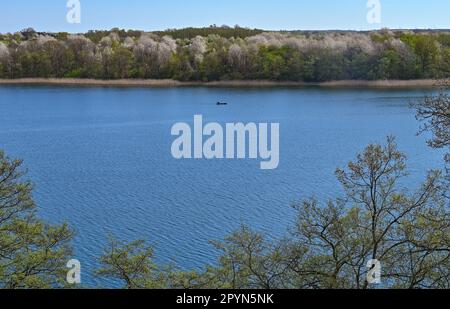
(169, 83)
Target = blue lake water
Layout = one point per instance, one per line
(100, 159)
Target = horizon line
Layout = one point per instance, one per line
(233, 27)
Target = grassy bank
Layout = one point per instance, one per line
(428, 83)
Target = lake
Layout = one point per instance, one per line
(100, 159)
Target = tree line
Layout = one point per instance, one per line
(328, 246)
(225, 53)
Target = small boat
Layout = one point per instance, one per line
(222, 103)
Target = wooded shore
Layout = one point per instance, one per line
(426, 83)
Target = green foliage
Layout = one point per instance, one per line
(225, 32)
(271, 63)
(446, 63)
(33, 254)
(121, 63)
(223, 53)
(428, 49)
(132, 263)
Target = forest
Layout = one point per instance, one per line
(227, 53)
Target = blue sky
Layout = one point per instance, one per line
(50, 15)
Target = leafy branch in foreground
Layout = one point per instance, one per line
(33, 254)
(131, 263)
(330, 245)
(435, 112)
